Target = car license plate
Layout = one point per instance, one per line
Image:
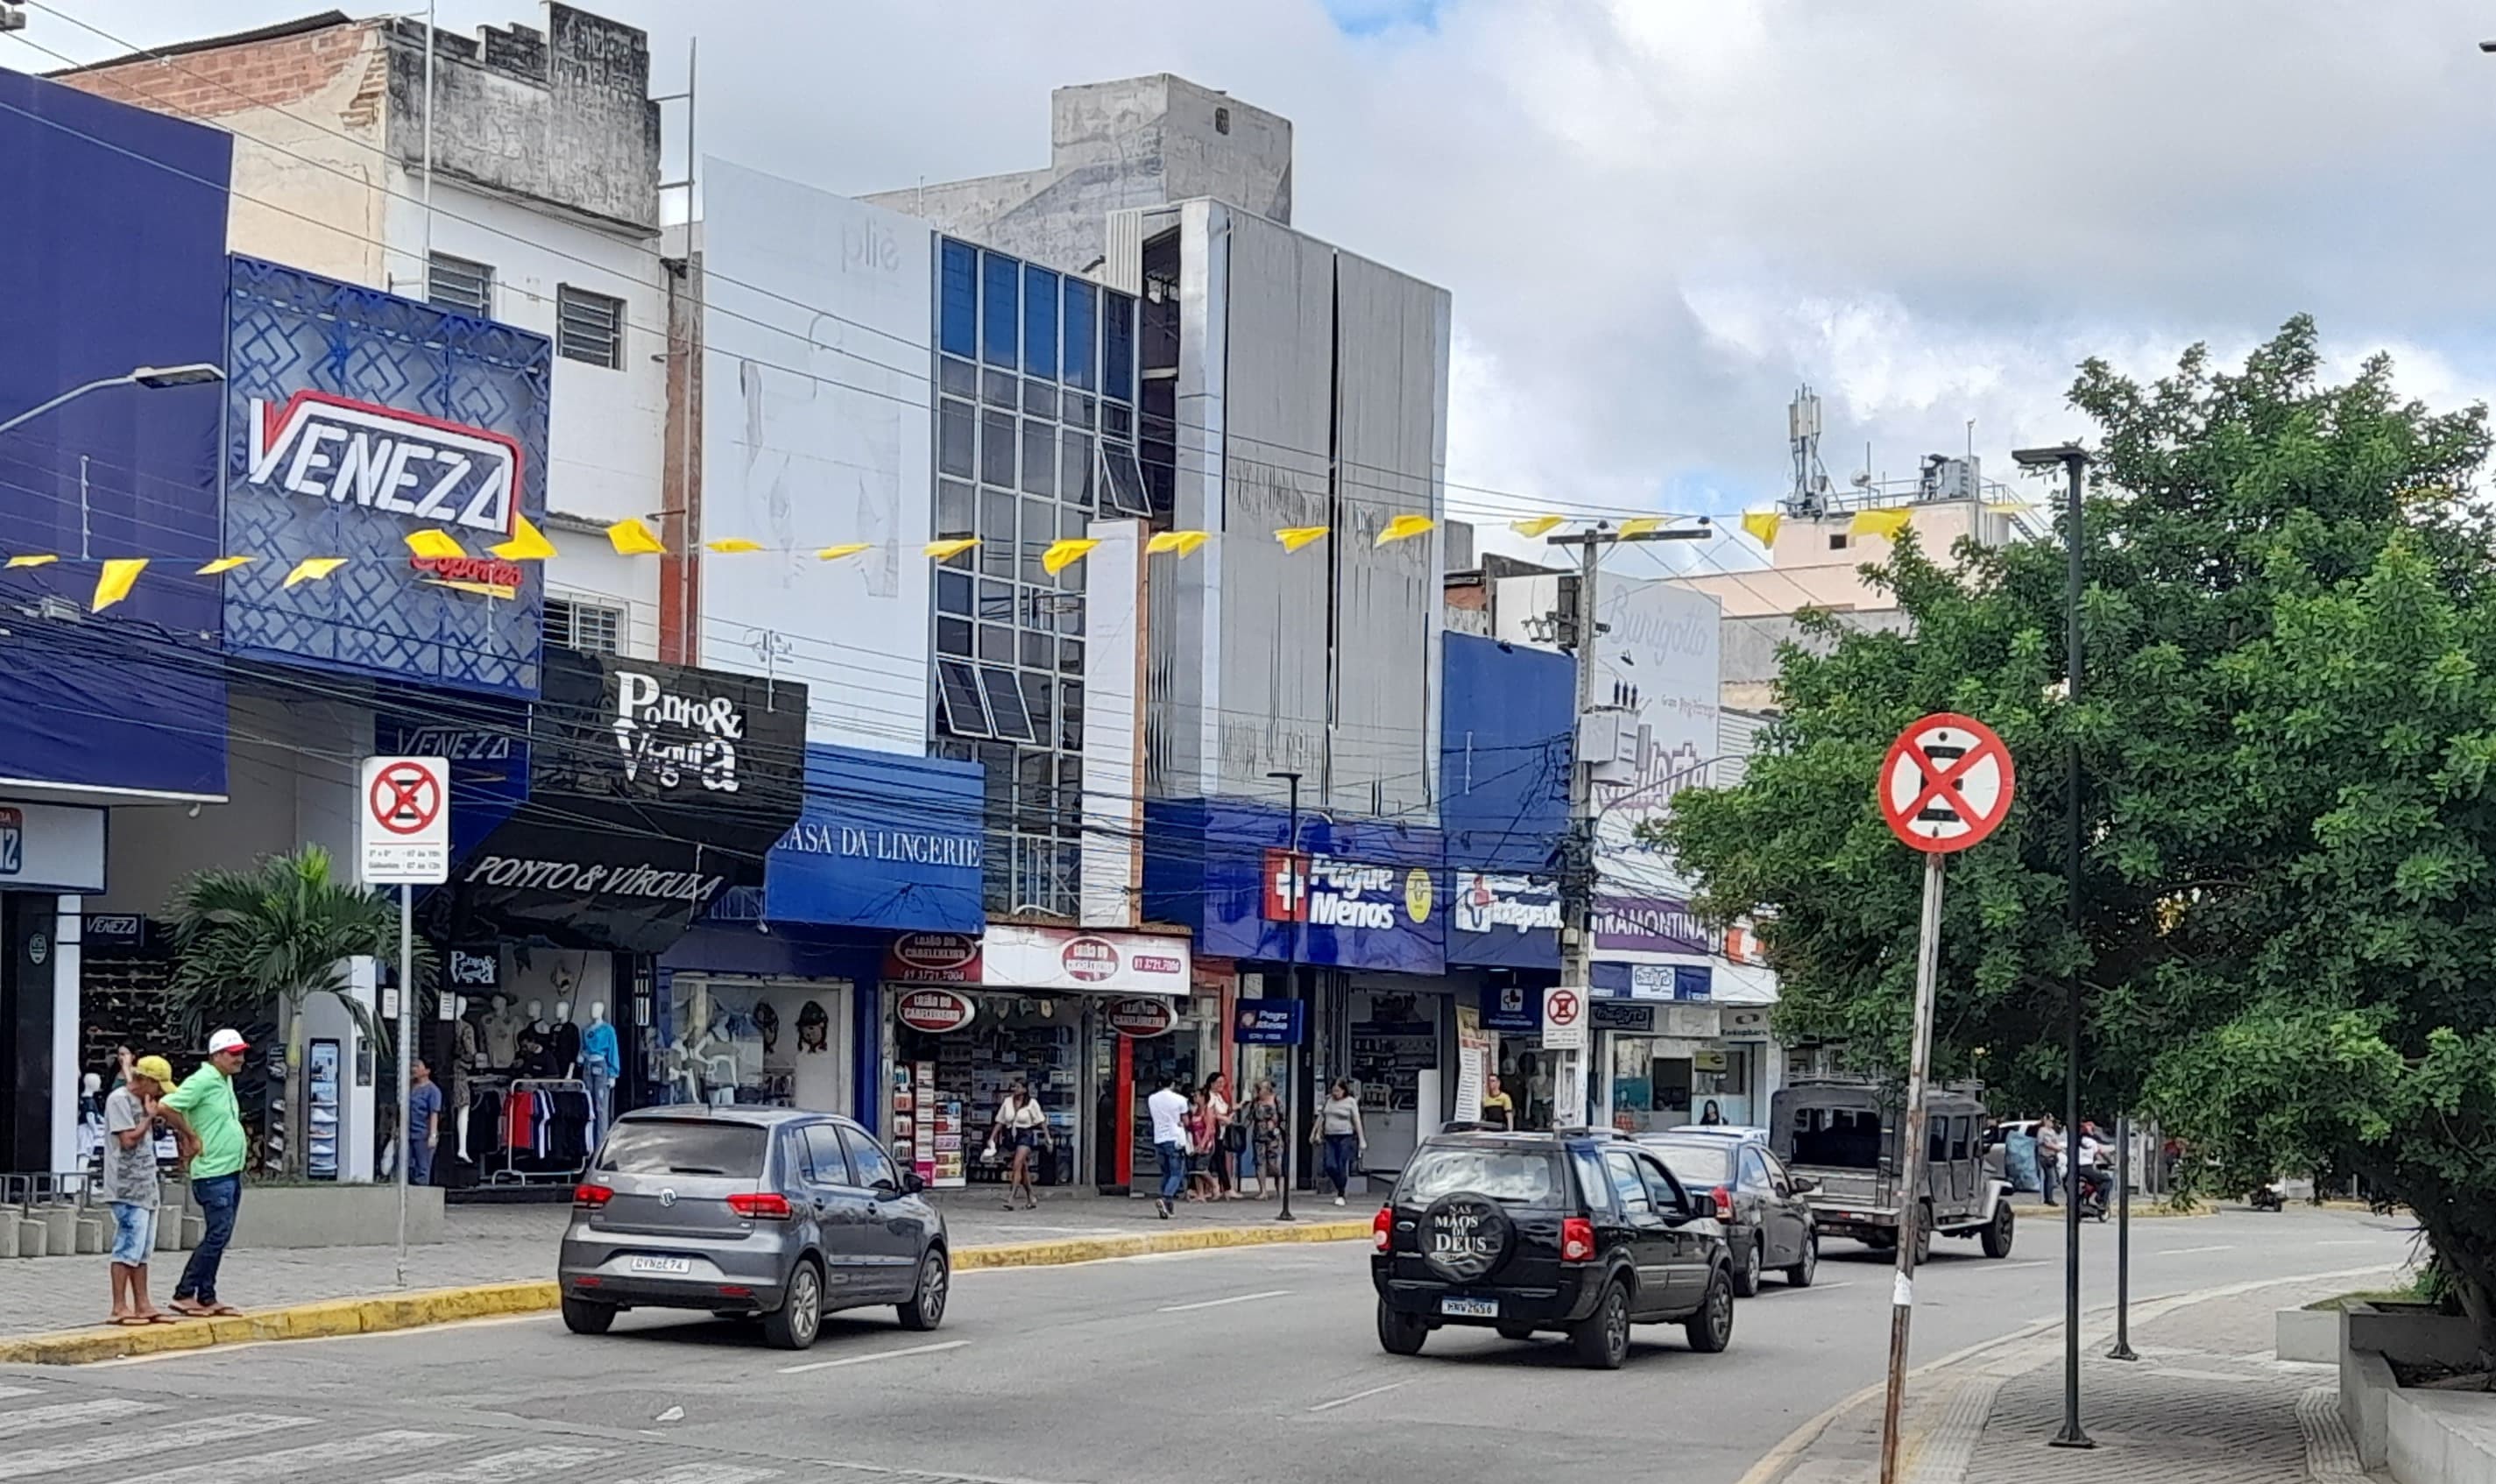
(663, 1265)
(1470, 1308)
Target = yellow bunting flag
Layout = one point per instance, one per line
(1762, 526)
(1882, 523)
(113, 583)
(634, 537)
(223, 564)
(733, 545)
(1538, 525)
(943, 550)
(439, 545)
(313, 569)
(1403, 528)
(528, 543)
(29, 561)
(1640, 525)
(836, 553)
(1064, 554)
(1180, 541)
(1293, 538)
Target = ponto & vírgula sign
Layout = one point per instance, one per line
(935, 1011)
(1946, 783)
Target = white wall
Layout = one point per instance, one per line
(607, 428)
(816, 432)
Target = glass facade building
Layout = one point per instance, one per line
(1036, 374)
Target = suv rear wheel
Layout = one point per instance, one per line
(583, 1317)
(1601, 1338)
(1401, 1334)
(794, 1325)
(1711, 1328)
(1997, 1232)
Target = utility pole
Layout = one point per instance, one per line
(1580, 635)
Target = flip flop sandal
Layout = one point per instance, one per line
(164, 1318)
(125, 1322)
(226, 1311)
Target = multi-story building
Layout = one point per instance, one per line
(512, 175)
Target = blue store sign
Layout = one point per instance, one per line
(356, 418)
(1365, 894)
(1509, 921)
(1511, 1008)
(884, 841)
(486, 744)
(1267, 1022)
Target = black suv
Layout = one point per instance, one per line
(1582, 1232)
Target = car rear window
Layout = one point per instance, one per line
(665, 1146)
(1701, 1164)
(1520, 1177)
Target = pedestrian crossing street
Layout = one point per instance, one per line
(66, 1432)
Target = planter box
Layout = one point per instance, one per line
(2311, 1335)
(335, 1215)
(2373, 1404)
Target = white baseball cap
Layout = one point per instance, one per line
(227, 1041)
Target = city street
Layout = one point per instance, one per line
(1253, 1365)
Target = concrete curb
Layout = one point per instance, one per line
(2141, 1212)
(381, 1313)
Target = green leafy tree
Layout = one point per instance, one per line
(281, 932)
(2288, 726)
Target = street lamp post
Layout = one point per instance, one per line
(1292, 896)
(153, 378)
(2072, 459)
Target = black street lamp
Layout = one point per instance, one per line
(2072, 459)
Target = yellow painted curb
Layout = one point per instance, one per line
(382, 1312)
(2142, 1212)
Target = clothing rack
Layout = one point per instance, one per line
(510, 1173)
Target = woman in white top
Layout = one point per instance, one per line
(1020, 1134)
(1221, 1113)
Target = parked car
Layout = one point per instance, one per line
(1765, 1209)
(1844, 1135)
(1581, 1232)
(751, 1213)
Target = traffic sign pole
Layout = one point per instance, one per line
(403, 840)
(1946, 784)
(1911, 1210)
(406, 1055)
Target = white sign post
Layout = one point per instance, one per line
(403, 839)
(1564, 1033)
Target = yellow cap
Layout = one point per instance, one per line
(155, 1068)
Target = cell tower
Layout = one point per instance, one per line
(1809, 497)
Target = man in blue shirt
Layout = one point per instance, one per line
(423, 1113)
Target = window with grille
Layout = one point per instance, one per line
(590, 327)
(457, 284)
(592, 627)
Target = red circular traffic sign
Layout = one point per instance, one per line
(404, 798)
(1562, 1009)
(1947, 782)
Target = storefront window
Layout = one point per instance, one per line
(764, 1042)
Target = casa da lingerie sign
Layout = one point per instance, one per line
(912, 846)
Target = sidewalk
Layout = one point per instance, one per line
(508, 1244)
(2205, 1404)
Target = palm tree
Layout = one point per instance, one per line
(283, 930)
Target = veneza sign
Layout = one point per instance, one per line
(324, 447)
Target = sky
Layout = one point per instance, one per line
(1658, 217)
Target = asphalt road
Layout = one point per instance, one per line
(1250, 1365)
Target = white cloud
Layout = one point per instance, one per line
(1658, 216)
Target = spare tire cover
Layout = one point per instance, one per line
(1465, 1237)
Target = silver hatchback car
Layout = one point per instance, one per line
(750, 1212)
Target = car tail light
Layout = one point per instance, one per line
(1382, 1230)
(1724, 1203)
(1576, 1240)
(735, 1290)
(760, 1205)
(589, 1197)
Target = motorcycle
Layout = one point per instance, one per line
(2267, 1197)
(2091, 1199)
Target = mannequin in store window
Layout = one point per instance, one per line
(601, 1062)
(534, 1042)
(563, 1042)
(467, 1058)
(502, 1029)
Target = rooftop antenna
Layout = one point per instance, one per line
(1809, 497)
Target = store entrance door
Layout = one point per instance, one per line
(27, 922)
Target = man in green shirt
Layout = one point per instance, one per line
(216, 1149)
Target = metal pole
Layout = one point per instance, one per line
(425, 269)
(1578, 941)
(1911, 1206)
(406, 1055)
(2122, 1241)
(2072, 1435)
(1292, 992)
